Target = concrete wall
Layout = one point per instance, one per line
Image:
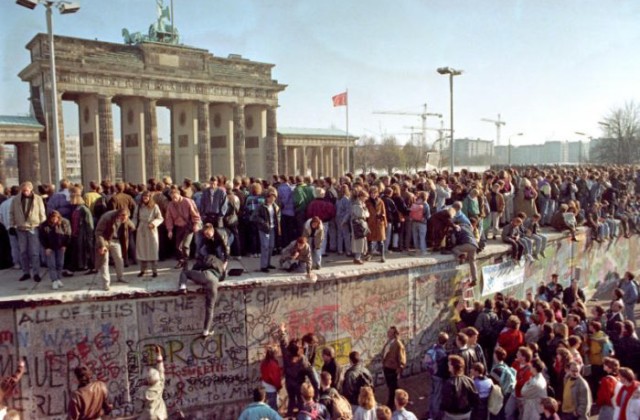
(212, 378)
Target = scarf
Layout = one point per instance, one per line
(623, 401)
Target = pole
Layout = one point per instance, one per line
(509, 153)
(173, 26)
(347, 136)
(55, 132)
(451, 112)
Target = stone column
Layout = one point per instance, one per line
(3, 170)
(204, 147)
(271, 142)
(303, 159)
(322, 172)
(240, 167)
(283, 160)
(151, 138)
(27, 162)
(107, 155)
(315, 169)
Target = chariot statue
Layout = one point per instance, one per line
(161, 30)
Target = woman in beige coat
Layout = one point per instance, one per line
(147, 217)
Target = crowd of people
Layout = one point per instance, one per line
(303, 220)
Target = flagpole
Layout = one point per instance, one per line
(347, 138)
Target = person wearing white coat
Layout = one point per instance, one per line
(533, 392)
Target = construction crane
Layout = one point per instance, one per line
(499, 123)
(423, 115)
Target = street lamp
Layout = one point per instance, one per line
(65, 7)
(509, 151)
(580, 133)
(451, 72)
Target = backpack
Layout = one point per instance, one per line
(416, 212)
(607, 348)
(100, 207)
(432, 359)
(341, 409)
(314, 414)
(507, 379)
(635, 283)
(496, 399)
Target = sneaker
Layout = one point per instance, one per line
(60, 283)
(106, 288)
(25, 277)
(367, 257)
(37, 278)
(55, 285)
(207, 333)
(542, 254)
(122, 280)
(183, 288)
(358, 262)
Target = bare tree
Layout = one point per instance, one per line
(412, 157)
(622, 136)
(389, 155)
(365, 153)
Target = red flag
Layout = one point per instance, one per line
(340, 99)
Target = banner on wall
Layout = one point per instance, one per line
(498, 277)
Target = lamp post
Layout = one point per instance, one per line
(65, 7)
(451, 72)
(580, 133)
(509, 151)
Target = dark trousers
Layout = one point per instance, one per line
(289, 230)
(209, 281)
(516, 248)
(391, 378)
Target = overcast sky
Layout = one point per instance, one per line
(549, 67)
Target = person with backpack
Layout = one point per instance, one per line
(310, 409)
(355, 377)
(435, 362)
(297, 370)
(259, 409)
(485, 387)
(419, 214)
(336, 404)
(599, 348)
(607, 388)
(505, 377)
(459, 394)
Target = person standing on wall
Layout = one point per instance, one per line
(55, 234)
(111, 228)
(267, 220)
(630, 298)
(394, 359)
(182, 220)
(208, 271)
(26, 214)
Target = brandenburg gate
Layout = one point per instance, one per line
(223, 110)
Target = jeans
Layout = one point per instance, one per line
(629, 312)
(55, 261)
(316, 257)
(272, 400)
(408, 232)
(15, 251)
(183, 235)
(267, 243)
(419, 233)
(333, 235)
(494, 227)
(344, 239)
(323, 247)
(114, 249)
(209, 281)
(540, 243)
(29, 245)
(435, 398)
(527, 244)
(387, 241)
(516, 248)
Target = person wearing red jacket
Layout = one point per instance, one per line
(609, 386)
(271, 375)
(629, 387)
(522, 365)
(511, 338)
